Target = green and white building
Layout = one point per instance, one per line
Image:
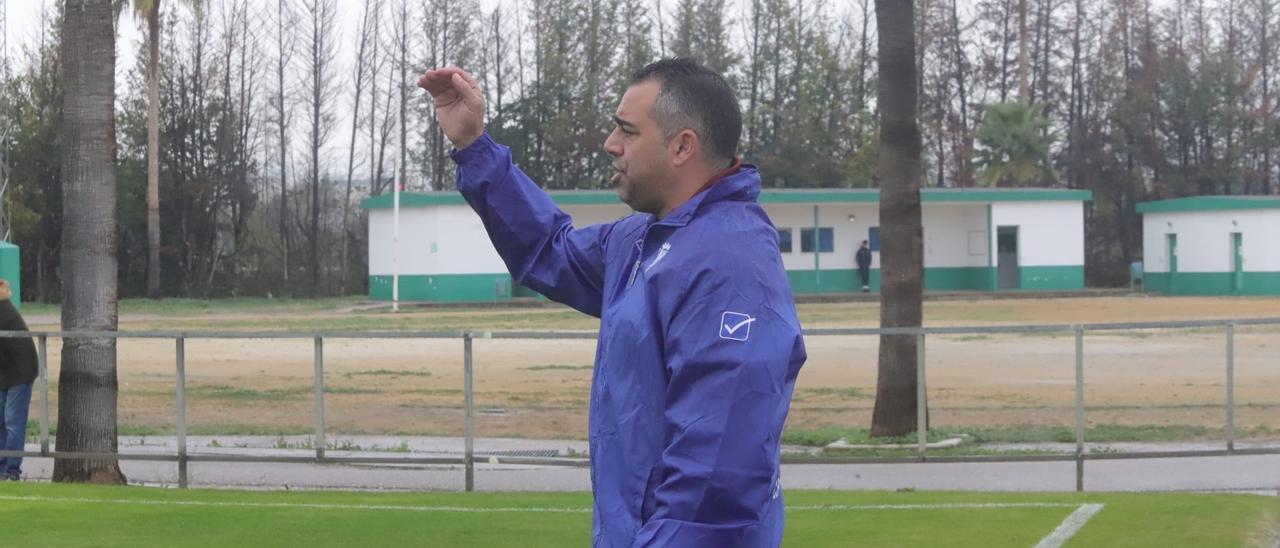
(974, 239)
(1212, 245)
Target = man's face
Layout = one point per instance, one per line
(641, 161)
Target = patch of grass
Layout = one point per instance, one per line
(41, 309)
(536, 320)
(857, 436)
(174, 306)
(389, 373)
(558, 368)
(349, 390)
(1098, 433)
(231, 429)
(434, 391)
(224, 392)
(971, 338)
(87, 515)
(1018, 434)
(237, 305)
(846, 392)
(962, 451)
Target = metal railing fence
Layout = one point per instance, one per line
(468, 459)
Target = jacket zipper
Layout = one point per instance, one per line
(635, 268)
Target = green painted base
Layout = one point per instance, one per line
(829, 281)
(1212, 283)
(1051, 278)
(961, 278)
(444, 287)
(977, 278)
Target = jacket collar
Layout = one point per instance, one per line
(739, 183)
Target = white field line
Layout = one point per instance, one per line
(316, 506)
(941, 506)
(1070, 526)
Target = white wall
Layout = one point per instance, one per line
(433, 240)
(955, 235)
(414, 224)
(947, 229)
(451, 239)
(1204, 240)
(1049, 233)
(846, 235)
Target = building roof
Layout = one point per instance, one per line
(1210, 203)
(775, 196)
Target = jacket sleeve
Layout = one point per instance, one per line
(730, 348)
(535, 239)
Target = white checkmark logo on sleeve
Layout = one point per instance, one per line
(735, 326)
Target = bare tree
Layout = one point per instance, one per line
(320, 90)
(87, 385)
(402, 44)
(963, 140)
(1267, 12)
(362, 75)
(286, 41)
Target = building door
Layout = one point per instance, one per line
(1237, 262)
(1007, 257)
(1172, 240)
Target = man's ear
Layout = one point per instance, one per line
(686, 147)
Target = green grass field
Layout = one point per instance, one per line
(66, 515)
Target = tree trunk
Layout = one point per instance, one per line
(153, 152)
(87, 386)
(964, 175)
(361, 64)
(901, 256)
(283, 128)
(1023, 63)
(1268, 115)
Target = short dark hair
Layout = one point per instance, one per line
(695, 97)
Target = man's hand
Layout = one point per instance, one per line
(459, 104)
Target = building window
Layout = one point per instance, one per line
(784, 240)
(825, 240)
(873, 238)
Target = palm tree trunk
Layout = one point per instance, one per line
(901, 255)
(153, 152)
(87, 386)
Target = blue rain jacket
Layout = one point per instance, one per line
(697, 355)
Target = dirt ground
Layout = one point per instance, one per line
(539, 388)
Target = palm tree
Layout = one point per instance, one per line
(1014, 146)
(150, 9)
(902, 253)
(87, 387)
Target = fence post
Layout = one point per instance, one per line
(469, 410)
(44, 395)
(182, 411)
(319, 353)
(1079, 408)
(1231, 387)
(922, 408)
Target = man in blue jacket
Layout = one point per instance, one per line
(699, 344)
